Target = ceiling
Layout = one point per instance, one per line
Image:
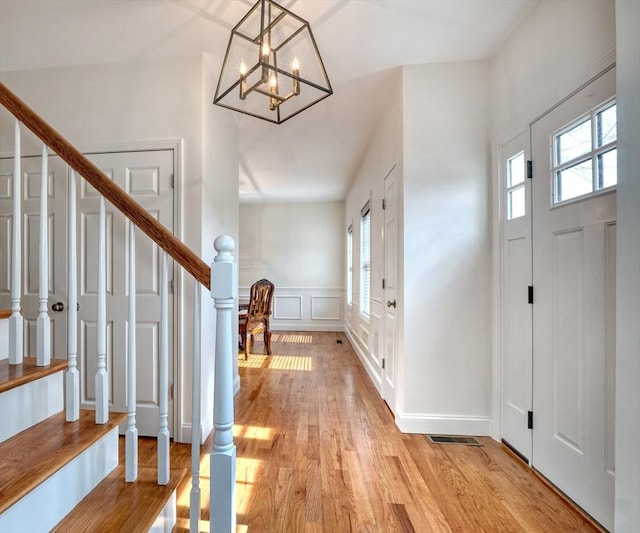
(313, 156)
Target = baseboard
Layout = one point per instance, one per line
(444, 424)
(374, 375)
(205, 430)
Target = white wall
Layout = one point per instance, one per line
(627, 503)
(383, 152)
(159, 100)
(557, 48)
(300, 248)
(447, 355)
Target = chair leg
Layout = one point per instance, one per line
(246, 348)
(267, 338)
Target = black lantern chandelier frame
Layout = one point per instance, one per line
(264, 44)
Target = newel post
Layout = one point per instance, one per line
(224, 290)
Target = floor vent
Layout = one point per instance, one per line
(447, 439)
(339, 341)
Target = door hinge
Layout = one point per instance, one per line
(529, 419)
(171, 286)
(383, 284)
(383, 363)
(530, 294)
(529, 169)
(173, 181)
(384, 204)
(171, 387)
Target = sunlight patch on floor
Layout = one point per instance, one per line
(247, 471)
(291, 338)
(252, 432)
(278, 362)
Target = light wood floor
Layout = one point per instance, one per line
(318, 451)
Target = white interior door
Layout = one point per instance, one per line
(390, 288)
(574, 299)
(517, 357)
(147, 176)
(57, 224)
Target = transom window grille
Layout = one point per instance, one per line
(585, 157)
(516, 196)
(365, 259)
(350, 265)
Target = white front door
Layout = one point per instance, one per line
(57, 224)
(390, 288)
(517, 357)
(147, 176)
(574, 234)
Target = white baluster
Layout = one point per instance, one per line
(102, 398)
(16, 322)
(43, 327)
(224, 289)
(163, 432)
(72, 385)
(131, 435)
(194, 504)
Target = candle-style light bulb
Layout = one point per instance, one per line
(264, 58)
(295, 74)
(273, 89)
(243, 80)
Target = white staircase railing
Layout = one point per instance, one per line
(220, 279)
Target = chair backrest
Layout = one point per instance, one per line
(260, 299)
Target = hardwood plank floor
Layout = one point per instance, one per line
(318, 451)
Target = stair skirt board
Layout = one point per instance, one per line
(41, 509)
(45, 396)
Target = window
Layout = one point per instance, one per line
(585, 155)
(350, 265)
(365, 259)
(516, 206)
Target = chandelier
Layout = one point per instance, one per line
(272, 68)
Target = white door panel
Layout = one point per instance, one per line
(517, 357)
(573, 267)
(57, 226)
(147, 177)
(390, 304)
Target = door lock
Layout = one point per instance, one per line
(391, 303)
(58, 307)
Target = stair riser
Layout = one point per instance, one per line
(41, 509)
(167, 517)
(29, 404)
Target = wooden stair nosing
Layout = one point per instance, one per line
(33, 455)
(12, 376)
(115, 505)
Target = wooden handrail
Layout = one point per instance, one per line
(5, 313)
(179, 251)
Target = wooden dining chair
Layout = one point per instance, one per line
(253, 318)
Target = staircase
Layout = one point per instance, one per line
(60, 468)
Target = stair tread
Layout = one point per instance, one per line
(32, 456)
(12, 376)
(115, 505)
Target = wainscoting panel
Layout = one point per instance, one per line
(287, 307)
(304, 309)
